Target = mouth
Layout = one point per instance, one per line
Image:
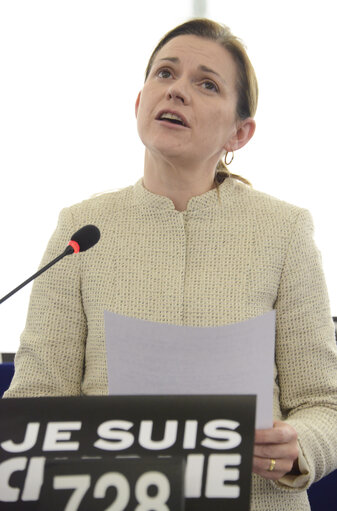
(172, 118)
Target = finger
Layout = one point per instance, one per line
(264, 464)
(261, 466)
(281, 433)
(281, 451)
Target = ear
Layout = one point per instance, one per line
(244, 132)
(137, 103)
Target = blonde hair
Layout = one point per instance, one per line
(246, 85)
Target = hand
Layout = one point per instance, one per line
(278, 443)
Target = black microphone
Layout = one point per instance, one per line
(82, 240)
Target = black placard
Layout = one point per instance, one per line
(214, 434)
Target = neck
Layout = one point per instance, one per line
(177, 182)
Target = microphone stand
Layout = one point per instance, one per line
(69, 250)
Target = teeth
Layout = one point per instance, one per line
(168, 115)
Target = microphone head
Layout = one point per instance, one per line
(85, 238)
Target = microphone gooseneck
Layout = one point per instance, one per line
(81, 240)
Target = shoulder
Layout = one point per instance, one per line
(104, 211)
(267, 209)
(101, 208)
(106, 202)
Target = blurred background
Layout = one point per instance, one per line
(70, 74)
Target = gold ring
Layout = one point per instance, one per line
(272, 465)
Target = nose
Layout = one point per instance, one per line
(178, 92)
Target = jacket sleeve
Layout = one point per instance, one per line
(50, 358)
(306, 356)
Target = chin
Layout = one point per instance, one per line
(166, 150)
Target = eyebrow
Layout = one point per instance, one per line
(206, 69)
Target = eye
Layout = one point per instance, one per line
(207, 84)
(164, 73)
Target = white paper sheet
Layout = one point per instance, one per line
(145, 357)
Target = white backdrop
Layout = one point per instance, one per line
(70, 73)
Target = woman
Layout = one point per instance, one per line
(192, 245)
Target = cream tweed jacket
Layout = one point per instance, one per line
(230, 256)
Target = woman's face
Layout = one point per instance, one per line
(186, 110)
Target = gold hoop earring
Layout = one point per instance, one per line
(230, 161)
